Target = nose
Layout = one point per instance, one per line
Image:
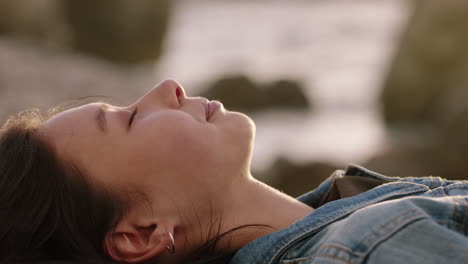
(168, 93)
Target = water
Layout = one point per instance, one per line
(339, 49)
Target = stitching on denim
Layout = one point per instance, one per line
(372, 233)
(460, 220)
(439, 180)
(451, 187)
(384, 236)
(339, 247)
(286, 241)
(432, 183)
(463, 215)
(443, 223)
(453, 225)
(441, 191)
(465, 204)
(298, 260)
(278, 246)
(452, 222)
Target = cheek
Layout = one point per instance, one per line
(175, 146)
(188, 149)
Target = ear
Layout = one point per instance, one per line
(134, 244)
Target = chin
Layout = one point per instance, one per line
(245, 123)
(246, 129)
(238, 133)
(239, 126)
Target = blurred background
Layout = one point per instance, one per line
(379, 83)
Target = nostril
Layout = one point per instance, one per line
(178, 92)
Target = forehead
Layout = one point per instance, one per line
(65, 120)
(75, 137)
(69, 124)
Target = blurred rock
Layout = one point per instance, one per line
(286, 94)
(426, 90)
(239, 93)
(296, 179)
(430, 69)
(33, 76)
(402, 162)
(419, 162)
(39, 20)
(119, 30)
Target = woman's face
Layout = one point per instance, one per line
(168, 148)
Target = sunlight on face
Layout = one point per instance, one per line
(161, 142)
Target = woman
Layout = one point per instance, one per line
(167, 180)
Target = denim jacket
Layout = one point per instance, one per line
(403, 220)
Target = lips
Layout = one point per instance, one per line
(211, 108)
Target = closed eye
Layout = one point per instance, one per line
(130, 121)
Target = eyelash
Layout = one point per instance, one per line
(130, 121)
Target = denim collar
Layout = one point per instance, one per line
(268, 249)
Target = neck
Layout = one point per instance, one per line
(265, 209)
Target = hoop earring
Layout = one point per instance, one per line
(171, 250)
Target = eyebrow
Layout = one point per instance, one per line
(100, 118)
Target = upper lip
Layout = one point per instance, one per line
(205, 102)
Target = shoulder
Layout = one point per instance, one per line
(407, 230)
(373, 225)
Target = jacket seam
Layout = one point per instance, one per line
(318, 255)
(385, 235)
(441, 191)
(339, 247)
(359, 255)
(449, 188)
(453, 225)
(325, 222)
(458, 217)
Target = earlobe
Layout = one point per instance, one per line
(135, 244)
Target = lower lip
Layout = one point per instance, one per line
(213, 107)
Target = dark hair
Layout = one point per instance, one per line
(48, 211)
